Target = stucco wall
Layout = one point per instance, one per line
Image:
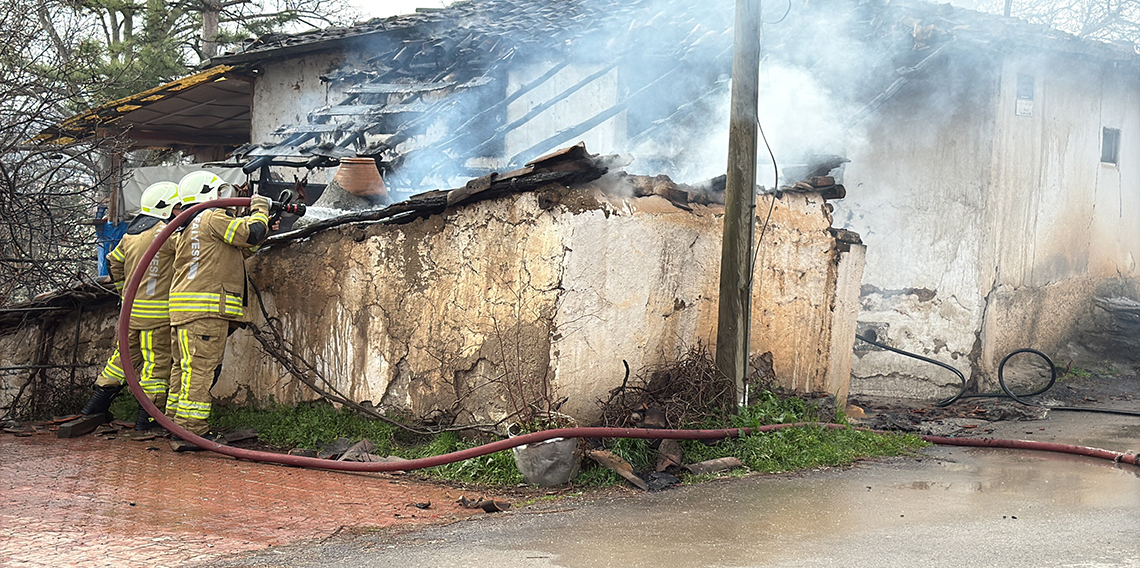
(456, 316)
(440, 314)
(285, 91)
(988, 230)
(1067, 223)
(916, 192)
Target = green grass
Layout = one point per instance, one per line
(313, 425)
(1078, 372)
(307, 425)
(782, 450)
(804, 447)
(492, 469)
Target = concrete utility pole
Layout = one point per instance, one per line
(735, 309)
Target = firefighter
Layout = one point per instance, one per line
(209, 296)
(149, 337)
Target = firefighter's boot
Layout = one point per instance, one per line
(100, 401)
(143, 421)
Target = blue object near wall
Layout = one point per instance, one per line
(109, 235)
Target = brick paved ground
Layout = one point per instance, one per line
(94, 502)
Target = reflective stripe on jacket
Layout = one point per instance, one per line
(209, 265)
(151, 306)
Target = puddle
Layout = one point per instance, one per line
(898, 507)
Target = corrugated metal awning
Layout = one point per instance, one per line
(209, 108)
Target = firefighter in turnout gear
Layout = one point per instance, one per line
(209, 294)
(149, 337)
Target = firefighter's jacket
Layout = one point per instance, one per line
(209, 264)
(151, 306)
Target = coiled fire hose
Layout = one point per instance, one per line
(1007, 392)
(532, 438)
(962, 378)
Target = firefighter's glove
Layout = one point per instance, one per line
(259, 203)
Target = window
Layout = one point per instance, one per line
(1025, 87)
(1110, 146)
(1023, 106)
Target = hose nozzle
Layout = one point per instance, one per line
(284, 204)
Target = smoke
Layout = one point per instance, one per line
(801, 119)
(648, 79)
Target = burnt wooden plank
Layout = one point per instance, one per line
(398, 88)
(241, 435)
(618, 465)
(571, 132)
(414, 88)
(80, 426)
(369, 110)
(540, 108)
(310, 129)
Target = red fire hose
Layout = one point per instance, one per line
(133, 382)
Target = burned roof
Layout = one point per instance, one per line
(550, 21)
(521, 22)
(49, 304)
(448, 70)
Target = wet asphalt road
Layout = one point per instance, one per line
(949, 507)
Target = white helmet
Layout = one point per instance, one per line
(199, 187)
(159, 199)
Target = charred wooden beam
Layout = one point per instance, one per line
(564, 136)
(502, 131)
(402, 133)
(567, 167)
(882, 98)
(680, 112)
(509, 99)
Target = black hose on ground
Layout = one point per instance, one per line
(944, 402)
(1006, 391)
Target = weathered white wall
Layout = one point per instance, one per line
(852, 263)
(1065, 226)
(915, 193)
(438, 316)
(988, 231)
(1116, 206)
(285, 91)
(415, 316)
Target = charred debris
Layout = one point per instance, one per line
(551, 176)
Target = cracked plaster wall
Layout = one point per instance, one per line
(419, 316)
(285, 91)
(987, 230)
(435, 317)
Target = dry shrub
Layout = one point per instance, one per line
(690, 391)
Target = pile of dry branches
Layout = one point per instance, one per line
(688, 390)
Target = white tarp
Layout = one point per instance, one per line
(138, 179)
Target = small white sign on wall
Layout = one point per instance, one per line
(1024, 107)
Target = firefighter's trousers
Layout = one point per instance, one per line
(151, 359)
(200, 346)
